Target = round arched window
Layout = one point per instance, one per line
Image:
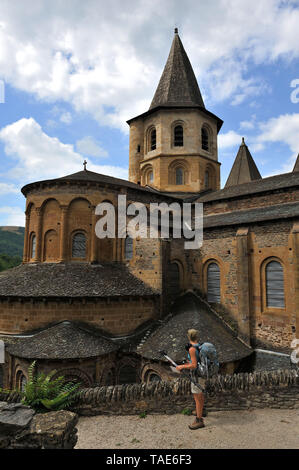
(213, 283)
(205, 139)
(154, 378)
(79, 246)
(275, 285)
(207, 180)
(33, 246)
(23, 382)
(153, 139)
(109, 379)
(178, 136)
(151, 177)
(179, 176)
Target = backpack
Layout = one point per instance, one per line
(207, 360)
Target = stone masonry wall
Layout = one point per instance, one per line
(116, 316)
(251, 201)
(279, 389)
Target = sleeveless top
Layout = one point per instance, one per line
(194, 372)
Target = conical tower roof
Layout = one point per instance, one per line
(178, 85)
(244, 168)
(296, 166)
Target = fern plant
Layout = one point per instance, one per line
(43, 393)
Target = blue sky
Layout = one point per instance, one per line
(75, 71)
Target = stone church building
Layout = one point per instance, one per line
(99, 310)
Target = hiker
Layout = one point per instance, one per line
(193, 337)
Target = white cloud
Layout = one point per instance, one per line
(39, 156)
(249, 125)
(8, 188)
(12, 216)
(66, 118)
(283, 129)
(88, 146)
(106, 58)
(229, 140)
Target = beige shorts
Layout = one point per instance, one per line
(202, 383)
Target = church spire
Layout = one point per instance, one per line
(244, 168)
(178, 85)
(296, 166)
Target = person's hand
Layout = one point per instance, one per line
(179, 368)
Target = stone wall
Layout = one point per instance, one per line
(251, 201)
(278, 389)
(116, 315)
(191, 156)
(22, 428)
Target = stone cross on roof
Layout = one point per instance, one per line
(84, 164)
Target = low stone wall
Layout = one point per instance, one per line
(279, 389)
(22, 428)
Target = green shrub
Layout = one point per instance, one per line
(186, 411)
(142, 415)
(43, 393)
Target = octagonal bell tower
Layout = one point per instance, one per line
(173, 146)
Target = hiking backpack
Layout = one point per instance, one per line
(207, 360)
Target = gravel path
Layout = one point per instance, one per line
(254, 429)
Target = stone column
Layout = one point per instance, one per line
(38, 249)
(63, 234)
(26, 240)
(93, 237)
(243, 284)
(295, 236)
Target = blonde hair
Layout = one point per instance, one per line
(193, 335)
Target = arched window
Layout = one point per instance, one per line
(153, 377)
(179, 176)
(33, 246)
(153, 139)
(79, 246)
(151, 177)
(213, 283)
(129, 248)
(274, 285)
(109, 380)
(205, 139)
(207, 180)
(174, 279)
(127, 375)
(178, 136)
(23, 382)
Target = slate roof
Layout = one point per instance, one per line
(272, 183)
(65, 340)
(178, 85)
(279, 211)
(296, 166)
(71, 280)
(191, 312)
(87, 176)
(244, 168)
